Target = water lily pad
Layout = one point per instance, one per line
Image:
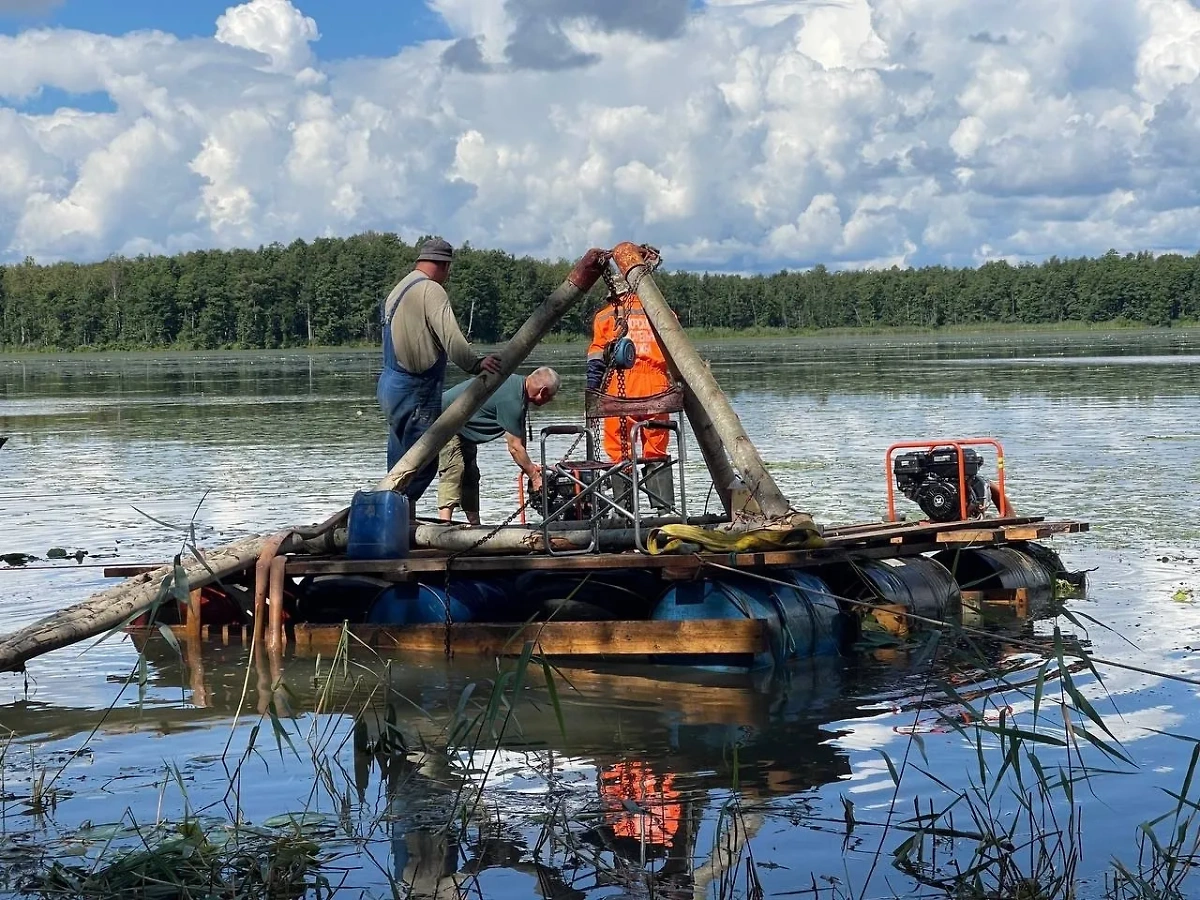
(1184, 595)
(302, 820)
(103, 832)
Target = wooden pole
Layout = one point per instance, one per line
(711, 448)
(536, 327)
(631, 261)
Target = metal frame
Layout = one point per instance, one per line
(958, 445)
(604, 477)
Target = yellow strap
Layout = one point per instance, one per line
(669, 538)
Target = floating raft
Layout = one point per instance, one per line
(731, 611)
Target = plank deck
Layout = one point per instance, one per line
(613, 638)
(843, 544)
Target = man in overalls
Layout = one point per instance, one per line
(420, 333)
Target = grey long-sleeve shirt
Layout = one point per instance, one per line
(424, 324)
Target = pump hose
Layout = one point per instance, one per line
(669, 539)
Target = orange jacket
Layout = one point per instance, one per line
(649, 373)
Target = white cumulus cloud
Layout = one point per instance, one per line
(745, 134)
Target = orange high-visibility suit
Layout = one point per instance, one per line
(647, 377)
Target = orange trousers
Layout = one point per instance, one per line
(643, 380)
(654, 440)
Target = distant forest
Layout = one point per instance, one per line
(328, 292)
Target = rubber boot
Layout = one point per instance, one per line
(659, 484)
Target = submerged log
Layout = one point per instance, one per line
(536, 327)
(631, 260)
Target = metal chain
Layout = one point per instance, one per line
(520, 509)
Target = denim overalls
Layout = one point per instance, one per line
(410, 400)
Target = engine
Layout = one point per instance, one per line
(930, 479)
(560, 488)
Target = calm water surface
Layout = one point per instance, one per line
(1096, 426)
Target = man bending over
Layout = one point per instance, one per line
(502, 415)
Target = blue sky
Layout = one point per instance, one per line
(348, 27)
(733, 134)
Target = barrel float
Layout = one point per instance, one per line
(425, 604)
(919, 584)
(1001, 568)
(595, 596)
(333, 599)
(803, 618)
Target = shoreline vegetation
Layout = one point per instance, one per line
(327, 294)
(947, 333)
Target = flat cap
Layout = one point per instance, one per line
(436, 250)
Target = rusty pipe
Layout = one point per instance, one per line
(275, 635)
(262, 572)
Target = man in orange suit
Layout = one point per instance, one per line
(647, 376)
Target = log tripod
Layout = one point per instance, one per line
(724, 444)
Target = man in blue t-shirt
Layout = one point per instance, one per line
(503, 415)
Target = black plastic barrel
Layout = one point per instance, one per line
(999, 568)
(921, 585)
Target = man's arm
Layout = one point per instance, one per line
(440, 316)
(601, 328)
(516, 448)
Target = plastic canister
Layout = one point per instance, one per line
(378, 527)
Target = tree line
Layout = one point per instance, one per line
(328, 292)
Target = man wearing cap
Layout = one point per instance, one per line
(420, 333)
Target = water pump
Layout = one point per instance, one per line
(930, 479)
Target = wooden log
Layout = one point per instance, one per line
(116, 606)
(536, 327)
(615, 638)
(711, 448)
(696, 375)
(514, 539)
(111, 608)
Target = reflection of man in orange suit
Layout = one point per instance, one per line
(639, 805)
(647, 377)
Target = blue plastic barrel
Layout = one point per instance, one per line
(803, 618)
(378, 526)
(426, 604)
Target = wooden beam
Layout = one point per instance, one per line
(616, 638)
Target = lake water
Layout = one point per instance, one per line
(1100, 427)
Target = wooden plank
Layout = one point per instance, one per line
(616, 638)
(969, 536)
(1010, 533)
(1045, 530)
(868, 530)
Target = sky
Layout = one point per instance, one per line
(735, 135)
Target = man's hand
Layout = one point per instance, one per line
(490, 364)
(535, 479)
